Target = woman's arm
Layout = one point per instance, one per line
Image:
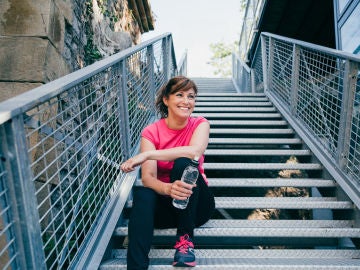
(196, 148)
(148, 159)
(177, 190)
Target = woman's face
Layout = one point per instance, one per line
(181, 104)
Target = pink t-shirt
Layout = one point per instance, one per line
(163, 138)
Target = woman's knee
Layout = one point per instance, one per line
(179, 166)
(145, 197)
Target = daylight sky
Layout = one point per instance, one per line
(195, 24)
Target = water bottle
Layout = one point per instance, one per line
(189, 176)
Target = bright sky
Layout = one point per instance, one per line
(194, 25)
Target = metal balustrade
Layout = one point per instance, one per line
(318, 90)
(61, 147)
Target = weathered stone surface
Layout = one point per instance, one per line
(24, 17)
(30, 59)
(12, 89)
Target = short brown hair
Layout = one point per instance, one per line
(175, 84)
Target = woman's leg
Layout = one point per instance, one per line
(185, 217)
(141, 228)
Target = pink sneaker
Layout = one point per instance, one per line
(185, 253)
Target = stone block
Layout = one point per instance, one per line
(40, 18)
(12, 89)
(30, 59)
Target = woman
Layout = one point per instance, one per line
(167, 147)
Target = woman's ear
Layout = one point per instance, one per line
(165, 100)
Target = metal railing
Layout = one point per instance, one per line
(61, 147)
(318, 90)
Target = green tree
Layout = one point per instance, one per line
(221, 58)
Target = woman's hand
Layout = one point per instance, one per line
(130, 164)
(180, 190)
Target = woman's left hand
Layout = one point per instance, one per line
(180, 190)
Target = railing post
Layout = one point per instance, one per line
(26, 216)
(124, 110)
(294, 79)
(270, 65)
(252, 80)
(348, 96)
(150, 58)
(265, 62)
(166, 52)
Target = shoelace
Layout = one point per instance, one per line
(184, 244)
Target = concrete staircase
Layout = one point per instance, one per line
(277, 208)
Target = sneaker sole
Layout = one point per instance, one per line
(184, 264)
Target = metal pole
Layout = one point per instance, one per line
(295, 79)
(23, 196)
(264, 63)
(347, 103)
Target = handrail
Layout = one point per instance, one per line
(318, 90)
(22, 103)
(61, 145)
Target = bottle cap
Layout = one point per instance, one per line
(195, 162)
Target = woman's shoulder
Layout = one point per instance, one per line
(198, 119)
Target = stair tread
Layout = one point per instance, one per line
(238, 115)
(255, 152)
(262, 166)
(270, 182)
(258, 232)
(247, 263)
(231, 98)
(234, 103)
(266, 182)
(254, 141)
(271, 123)
(253, 253)
(281, 202)
(234, 109)
(251, 131)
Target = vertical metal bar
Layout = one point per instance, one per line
(124, 110)
(151, 60)
(295, 79)
(347, 102)
(270, 64)
(165, 52)
(24, 195)
(252, 79)
(264, 62)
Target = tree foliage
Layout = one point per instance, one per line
(221, 58)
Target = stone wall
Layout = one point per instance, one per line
(45, 39)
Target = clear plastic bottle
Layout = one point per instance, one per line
(189, 176)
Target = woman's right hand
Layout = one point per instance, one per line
(130, 164)
(180, 190)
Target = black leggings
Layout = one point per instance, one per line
(151, 210)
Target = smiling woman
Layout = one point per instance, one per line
(167, 148)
